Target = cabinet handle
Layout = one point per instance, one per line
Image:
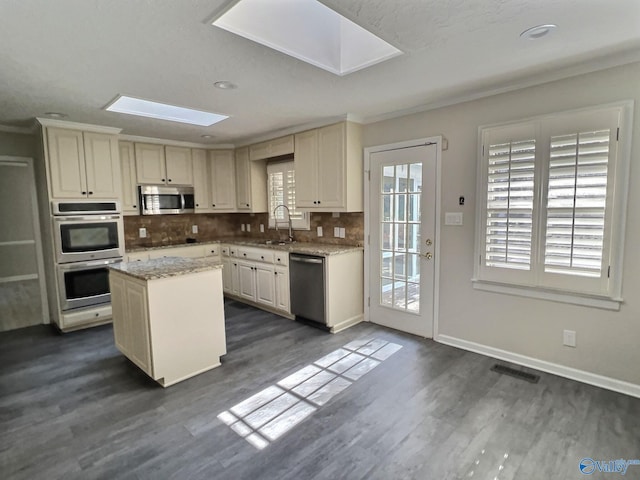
(163, 179)
(84, 193)
(135, 206)
(213, 204)
(275, 273)
(170, 180)
(197, 204)
(247, 204)
(90, 193)
(262, 257)
(97, 314)
(318, 202)
(244, 254)
(278, 259)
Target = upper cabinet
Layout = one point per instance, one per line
(82, 164)
(157, 164)
(272, 148)
(251, 183)
(129, 186)
(329, 168)
(222, 180)
(201, 186)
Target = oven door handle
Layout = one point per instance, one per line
(68, 267)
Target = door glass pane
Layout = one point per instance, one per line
(387, 208)
(401, 192)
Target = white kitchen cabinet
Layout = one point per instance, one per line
(201, 183)
(171, 327)
(281, 275)
(251, 183)
(179, 167)
(329, 168)
(247, 281)
(265, 284)
(83, 164)
(226, 275)
(222, 180)
(129, 183)
(157, 164)
(150, 165)
(272, 148)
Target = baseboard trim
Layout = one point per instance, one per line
(608, 383)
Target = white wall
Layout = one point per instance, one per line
(608, 343)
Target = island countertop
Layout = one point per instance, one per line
(165, 267)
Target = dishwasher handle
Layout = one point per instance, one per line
(294, 258)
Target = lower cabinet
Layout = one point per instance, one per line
(251, 276)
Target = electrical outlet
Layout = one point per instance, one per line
(242, 227)
(336, 232)
(194, 228)
(142, 232)
(335, 214)
(319, 231)
(262, 228)
(569, 338)
(248, 227)
(343, 232)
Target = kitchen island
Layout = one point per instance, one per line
(168, 316)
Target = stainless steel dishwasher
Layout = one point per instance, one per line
(306, 279)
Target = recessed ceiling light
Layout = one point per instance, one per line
(163, 111)
(206, 136)
(56, 115)
(225, 85)
(538, 31)
(307, 30)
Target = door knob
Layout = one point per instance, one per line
(427, 255)
(428, 241)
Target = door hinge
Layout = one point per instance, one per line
(368, 239)
(609, 272)
(368, 301)
(483, 150)
(369, 175)
(480, 260)
(618, 134)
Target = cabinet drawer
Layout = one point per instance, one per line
(281, 258)
(225, 250)
(233, 251)
(211, 250)
(256, 255)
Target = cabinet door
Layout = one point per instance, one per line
(282, 288)
(247, 279)
(138, 317)
(128, 173)
(265, 285)
(259, 151)
(150, 163)
(281, 146)
(223, 191)
(243, 192)
(306, 166)
(235, 277)
(102, 161)
(331, 166)
(201, 185)
(66, 163)
(179, 166)
(121, 333)
(227, 284)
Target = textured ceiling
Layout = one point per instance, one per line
(75, 56)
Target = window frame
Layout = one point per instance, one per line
(303, 223)
(536, 283)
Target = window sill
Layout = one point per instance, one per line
(595, 301)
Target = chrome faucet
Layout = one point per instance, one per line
(275, 218)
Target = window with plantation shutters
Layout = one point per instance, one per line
(281, 178)
(551, 212)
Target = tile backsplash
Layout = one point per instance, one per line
(175, 229)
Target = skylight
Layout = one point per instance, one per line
(309, 31)
(163, 111)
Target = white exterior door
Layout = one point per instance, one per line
(402, 227)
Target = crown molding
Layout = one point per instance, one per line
(176, 143)
(86, 127)
(13, 129)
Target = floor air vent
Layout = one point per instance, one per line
(529, 377)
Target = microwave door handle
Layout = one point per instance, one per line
(182, 201)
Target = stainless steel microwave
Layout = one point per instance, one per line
(161, 200)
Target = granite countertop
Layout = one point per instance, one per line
(306, 248)
(165, 267)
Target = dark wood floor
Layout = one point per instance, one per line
(71, 406)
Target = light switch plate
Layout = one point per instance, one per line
(248, 227)
(335, 214)
(343, 232)
(242, 227)
(336, 232)
(319, 231)
(569, 338)
(142, 232)
(262, 228)
(453, 218)
(194, 228)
